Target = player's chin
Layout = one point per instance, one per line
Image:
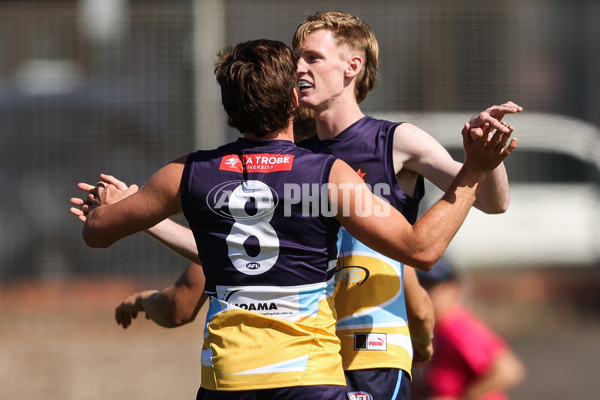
(307, 103)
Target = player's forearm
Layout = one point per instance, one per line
(422, 244)
(421, 337)
(103, 227)
(159, 307)
(178, 304)
(419, 308)
(434, 231)
(387, 231)
(494, 195)
(421, 322)
(176, 237)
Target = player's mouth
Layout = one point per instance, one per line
(302, 84)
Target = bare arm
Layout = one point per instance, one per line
(175, 305)
(422, 244)
(387, 231)
(419, 310)
(171, 307)
(169, 233)
(108, 221)
(424, 155)
(494, 196)
(417, 151)
(176, 237)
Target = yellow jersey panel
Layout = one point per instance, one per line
(284, 343)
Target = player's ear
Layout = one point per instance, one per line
(296, 98)
(354, 66)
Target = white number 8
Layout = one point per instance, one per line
(256, 225)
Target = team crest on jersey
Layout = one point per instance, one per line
(359, 396)
(351, 275)
(257, 162)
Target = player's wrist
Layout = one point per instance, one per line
(144, 297)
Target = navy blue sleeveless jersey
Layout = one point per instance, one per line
(269, 259)
(372, 323)
(367, 146)
(212, 179)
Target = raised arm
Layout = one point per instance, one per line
(494, 195)
(176, 237)
(172, 235)
(492, 116)
(81, 206)
(415, 150)
(175, 305)
(108, 221)
(422, 244)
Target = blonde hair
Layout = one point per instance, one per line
(350, 32)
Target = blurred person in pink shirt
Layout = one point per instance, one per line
(470, 361)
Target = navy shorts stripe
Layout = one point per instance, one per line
(378, 384)
(316, 392)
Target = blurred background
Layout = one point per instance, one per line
(124, 87)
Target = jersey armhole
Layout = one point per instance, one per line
(389, 162)
(185, 183)
(327, 169)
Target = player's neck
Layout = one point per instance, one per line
(335, 119)
(286, 133)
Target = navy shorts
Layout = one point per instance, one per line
(378, 384)
(316, 392)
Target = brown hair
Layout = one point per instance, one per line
(257, 80)
(351, 32)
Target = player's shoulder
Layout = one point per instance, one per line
(206, 154)
(393, 128)
(307, 151)
(369, 120)
(410, 137)
(409, 128)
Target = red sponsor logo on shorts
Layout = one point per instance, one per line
(257, 162)
(359, 396)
